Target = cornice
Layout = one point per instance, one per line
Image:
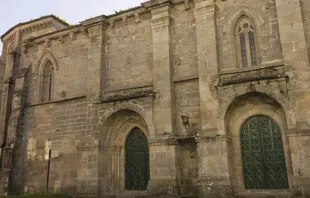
(20, 25)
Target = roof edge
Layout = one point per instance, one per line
(34, 20)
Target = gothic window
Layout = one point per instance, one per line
(263, 157)
(246, 47)
(137, 170)
(48, 77)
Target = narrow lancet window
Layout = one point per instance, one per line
(243, 50)
(252, 48)
(246, 47)
(47, 82)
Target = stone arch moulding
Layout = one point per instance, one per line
(234, 127)
(112, 137)
(277, 96)
(46, 56)
(147, 116)
(249, 11)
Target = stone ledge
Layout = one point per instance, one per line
(185, 78)
(252, 68)
(56, 101)
(298, 132)
(128, 95)
(110, 89)
(243, 75)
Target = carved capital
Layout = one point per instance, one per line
(205, 8)
(87, 144)
(161, 17)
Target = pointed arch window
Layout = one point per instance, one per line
(48, 78)
(246, 46)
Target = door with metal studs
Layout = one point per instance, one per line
(137, 171)
(263, 156)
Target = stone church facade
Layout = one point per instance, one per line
(174, 98)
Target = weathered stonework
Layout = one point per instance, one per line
(2, 67)
(174, 70)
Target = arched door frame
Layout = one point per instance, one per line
(235, 125)
(117, 154)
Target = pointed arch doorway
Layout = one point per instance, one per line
(137, 170)
(264, 164)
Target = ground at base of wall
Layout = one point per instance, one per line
(38, 196)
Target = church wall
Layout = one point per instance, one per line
(129, 54)
(294, 30)
(71, 123)
(269, 46)
(71, 56)
(187, 167)
(184, 43)
(59, 127)
(185, 69)
(187, 104)
(2, 69)
(305, 6)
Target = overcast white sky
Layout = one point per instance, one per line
(72, 11)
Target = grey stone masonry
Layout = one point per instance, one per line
(216, 90)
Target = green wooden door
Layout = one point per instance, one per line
(137, 171)
(262, 153)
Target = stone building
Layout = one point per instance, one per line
(2, 66)
(174, 98)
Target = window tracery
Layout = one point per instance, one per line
(246, 46)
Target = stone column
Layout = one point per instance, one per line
(212, 145)
(88, 177)
(208, 65)
(296, 60)
(213, 167)
(115, 170)
(163, 173)
(163, 177)
(16, 143)
(96, 33)
(292, 33)
(6, 105)
(162, 69)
